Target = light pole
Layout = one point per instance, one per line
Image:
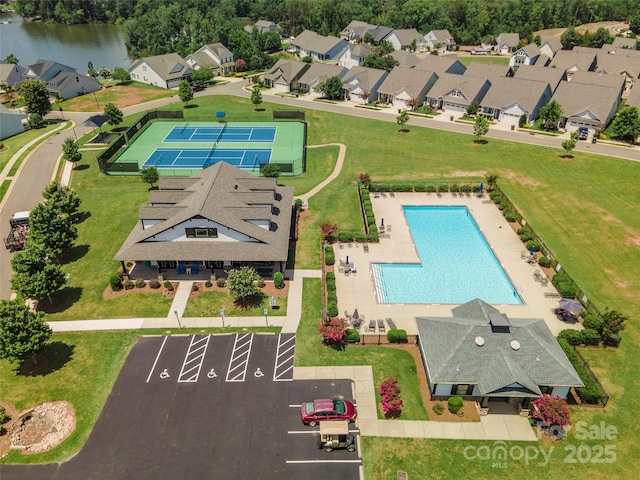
(222, 316)
(96, 99)
(177, 318)
(266, 316)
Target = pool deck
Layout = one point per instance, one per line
(358, 290)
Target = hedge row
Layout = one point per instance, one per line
(565, 287)
(397, 336)
(591, 392)
(329, 255)
(332, 297)
(367, 210)
(588, 336)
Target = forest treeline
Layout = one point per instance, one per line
(160, 26)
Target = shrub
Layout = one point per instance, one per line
(567, 290)
(397, 336)
(553, 410)
(332, 309)
(298, 205)
(544, 262)
(593, 323)
(525, 237)
(521, 230)
(208, 283)
(4, 418)
(501, 205)
(168, 284)
(194, 287)
(420, 187)
(278, 280)
(591, 337)
(496, 197)
(155, 284)
(127, 285)
(391, 397)
(455, 404)
(466, 188)
(431, 188)
(533, 244)
(612, 340)
(510, 216)
(360, 237)
(116, 282)
(334, 332)
(572, 337)
(260, 283)
(454, 188)
(442, 188)
(140, 283)
(373, 236)
(221, 282)
(330, 278)
(438, 409)
(353, 336)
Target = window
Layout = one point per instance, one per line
(201, 232)
(463, 389)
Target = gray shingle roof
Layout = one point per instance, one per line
(552, 76)
(361, 50)
(602, 79)
(404, 58)
(314, 42)
(444, 37)
(452, 355)
(321, 72)
(624, 42)
(487, 70)
(576, 98)
(634, 97)
(553, 42)
(437, 63)
(573, 60)
(222, 194)
(365, 77)
(406, 35)
(505, 91)
(510, 39)
(289, 70)
(405, 79)
(470, 87)
(380, 33)
(168, 66)
(615, 64)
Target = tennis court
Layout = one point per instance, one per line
(221, 134)
(201, 158)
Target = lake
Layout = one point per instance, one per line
(72, 45)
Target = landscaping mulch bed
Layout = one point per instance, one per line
(108, 293)
(269, 289)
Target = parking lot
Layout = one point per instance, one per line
(195, 407)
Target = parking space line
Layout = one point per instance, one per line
(284, 359)
(239, 361)
(324, 461)
(157, 357)
(193, 359)
(315, 432)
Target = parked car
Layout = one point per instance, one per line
(197, 87)
(327, 409)
(583, 133)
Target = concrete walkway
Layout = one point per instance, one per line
(336, 171)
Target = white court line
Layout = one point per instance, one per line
(323, 461)
(157, 357)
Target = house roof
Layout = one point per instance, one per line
(7, 68)
(573, 60)
(357, 28)
(552, 76)
(602, 79)
(405, 59)
(62, 79)
(470, 87)
(450, 347)
(405, 79)
(266, 24)
(289, 70)
(407, 35)
(543, 60)
(624, 52)
(380, 33)
(615, 64)
(625, 42)
(46, 69)
(314, 42)
(634, 97)
(505, 91)
(204, 60)
(443, 36)
(530, 49)
(577, 98)
(168, 66)
(510, 39)
(321, 72)
(360, 50)
(364, 77)
(438, 63)
(222, 194)
(487, 70)
(5, 111)
(220, 51)
(553, 42)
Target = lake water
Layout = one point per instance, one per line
(72, 45)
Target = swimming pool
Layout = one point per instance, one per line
(457, 264)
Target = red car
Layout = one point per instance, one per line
(327, 409)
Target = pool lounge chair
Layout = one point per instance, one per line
(372, 326)
(392, 324)
(381, 327)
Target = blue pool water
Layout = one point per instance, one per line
(457, 264)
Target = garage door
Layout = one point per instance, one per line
(577, 124)
(510, 118)
(454, 108)
(281, 87)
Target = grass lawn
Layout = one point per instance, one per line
(208, 304)
(466, 60)
(122, 95)
(15, 143)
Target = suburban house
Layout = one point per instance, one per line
(439, 41)
(509, 98)
(625, 43)
(552, 76)
(61, 80)
(454, 93)
(616, 64)
(550, 45)
(488, 70)
(407, 39)
(572, 61)
(360, 80)
(379, 34)
(217, 219)
(634, 98)
(214, 56)
(11, 122)
(285, 74)
(263, 26)
(10, 74)
(403, 84)
(506, 43)
(527, 55)
(602, 79)
(318, 47)
(480, 354)
(320, 72)
(442, 64)
(166, 71)
(404, 58)
(584, 105)
(354, 55)
(354, 32)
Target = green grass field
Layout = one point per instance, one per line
(493, 59)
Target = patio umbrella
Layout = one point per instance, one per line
(356, 315)
(347, 262)
(382, 222)
(570, 305)
(481, 187)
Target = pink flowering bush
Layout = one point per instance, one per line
(328, 230)
(391, 397)
(365, 178)
(334, 332)
(553, 410)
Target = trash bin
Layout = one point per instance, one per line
(451, 118)
(593, 140)
(513, 127)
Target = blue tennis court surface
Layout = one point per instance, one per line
(203, 157)
(221, 134)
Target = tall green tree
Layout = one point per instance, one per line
(70, 150)
(62, 198)
(550, 114)
(202, 75)
(120, 75)
(92, 72)
(149, 175)
(571, 38)
(626, 124)
(113, 113)
(385, 62)
(34, 275)
(256, 96)
(242, 284)
(36, 96)
(480, 127)
(331, 88)
(601, 37)
(185, 92)
(49, 227)
(11, 58)
(23, 333)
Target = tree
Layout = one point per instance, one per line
(480, 127)
(256, 96)
(570, 38)
(364, 95)
(242, 284)
(634, 25)
(365, 178)
(599, 38)
(412, 103)
(62, 198)
(327, 230)
(368, 37)
(613, 323)
(334, 332)
(550, 114)
(36, 96)
(185, 92)
(241, 65)
(202, 75)
(472, 109)
(70, 151)
(402, 119)
(149, 175)
(120, 75)
(34, 275)
(385, 62)
(385, 47)
(49, 227)
(113, 113)
(626, 125)
(271, 170)
(11, 58)
(23, 333)
(570, 144)
(552, 410)
(35, 121)
(104, 72)
(90, 70)
(330, 88)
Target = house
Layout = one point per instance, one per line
(441, 64)
(404, 58)
(552, 76)
(572, 61)
(634, 98)
(488, 70)
(11, 122)
(285, 74)
(454, 93)
(480, 354)
(615, 64)
(527, 55)
(362, 80)
(354, 56)
(509, 98)
(439, 41)
(318, 47)
(354, 32)
(380, 34)
(622, 52)
(624, 43)
(601, 79)
(590, 106)
(263, 26)
(507, 43)
(10, 74)
(214, 56)
(219, 218)
(319, 72)
(404, 84)
(543, 60)
(61, 80)
(165, 71)
(407, 39)
(550, 45)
